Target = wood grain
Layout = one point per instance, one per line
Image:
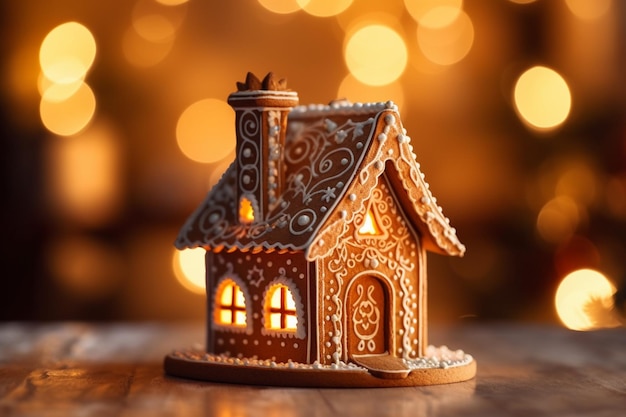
(74, 369)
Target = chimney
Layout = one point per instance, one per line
(261, 110)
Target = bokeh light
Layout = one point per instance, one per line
(588, 10)
(281, 6)
(67, 52)
(583, 300)
(542, 98)
(376, 55)
(172, 2)
(142, 53)
(419, 8)
(444, 41)
(83, 175)
(324, 8)
(154, 27)
(558, 219)
(57, 91)
(355, 91)
(189, 269)
(69, 116)
(206, 130)
(85, 267)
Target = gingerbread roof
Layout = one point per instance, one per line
(333, 158)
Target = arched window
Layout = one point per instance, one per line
(280, 309)
(230, 305)
(246, 210)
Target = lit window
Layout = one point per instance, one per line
(246, 211)
(230, 308)
(281, 309)
(369, 227)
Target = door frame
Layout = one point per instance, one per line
(389, 312)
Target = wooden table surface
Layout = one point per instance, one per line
(75, 369)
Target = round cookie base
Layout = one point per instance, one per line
(194, 365)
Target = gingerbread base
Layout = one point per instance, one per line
(431, 370)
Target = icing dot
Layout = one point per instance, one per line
(247, 152)
(321, 242)
(374, 263)
(245, 341)
(256, 315)
(352, 197)
(294, 269)
(343, 214)
(282, 344)
(288, 261)
(323, 209)
(269, 342)
(382, 137)
(340, 184)
(327, 298)
(255, 343)
(231, 341)
(269, 264)
(259, 260)
(295, 346)
(359, 145)
(390, 152)
(255, 297)
(220, 341)
(214, 217)
(327, 318)
(301, 276)
(304, 220)
(246, 179)
(389, 119)
(344, 161)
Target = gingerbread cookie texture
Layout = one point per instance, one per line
(316, 240)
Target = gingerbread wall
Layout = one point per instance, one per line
(372, 289)
(255, 274)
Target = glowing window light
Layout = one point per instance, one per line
(583, 300)
(205, 131)
(419, 8)
(230, 308)
(376, 55)
(445, 44)
(83, 176)
(281, 6)
(589, 10)
(67, 52)
(189, 268)
(70, 116)
(542, 98)
(355, 91)
(281, 309)
(369, 227)
(324, 8)
(558, 219)
(246, 211)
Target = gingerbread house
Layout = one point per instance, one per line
(317, 236)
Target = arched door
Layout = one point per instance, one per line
(367, 317)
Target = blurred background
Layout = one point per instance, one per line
(115, 125)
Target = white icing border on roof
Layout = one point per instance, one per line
(341, 107)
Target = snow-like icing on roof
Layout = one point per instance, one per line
(329, 149)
